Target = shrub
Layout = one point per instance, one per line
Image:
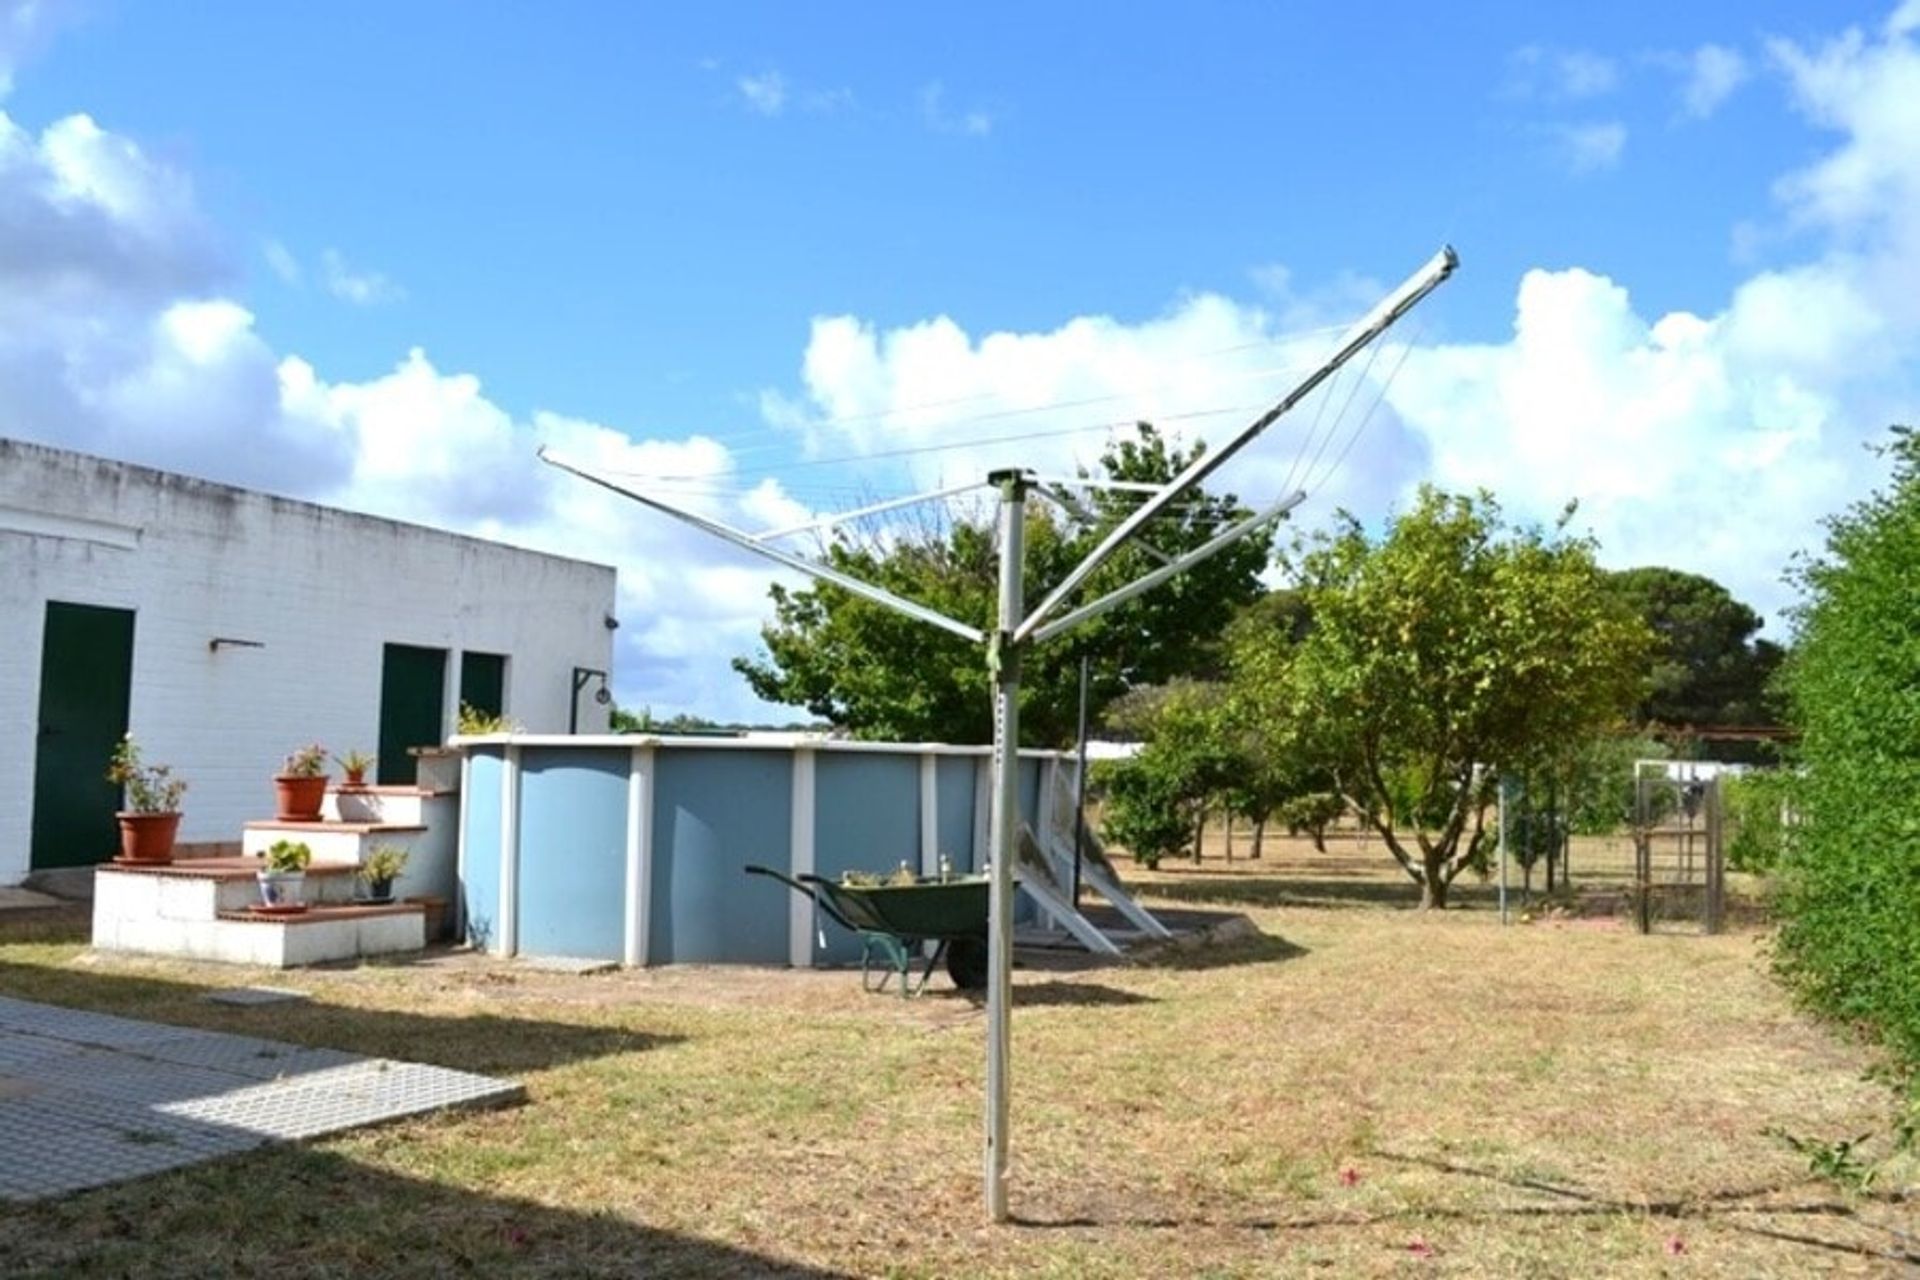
(1850, 899)
(1756, 807)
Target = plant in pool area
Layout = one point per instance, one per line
(309, 761)
(150, 788)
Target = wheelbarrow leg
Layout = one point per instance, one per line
(926, 973)
(898, 962)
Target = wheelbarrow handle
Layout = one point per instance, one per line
(820, 899)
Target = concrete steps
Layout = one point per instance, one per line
(200, 909)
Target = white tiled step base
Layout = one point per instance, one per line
(136, 895)
(396, 806)
(347, 842)
(274, 944)
(180, 913)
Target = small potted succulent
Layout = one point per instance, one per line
(152, 817)
(384, 863)
(355, 765)
(353, 799)
(301, 785)
(283, 875)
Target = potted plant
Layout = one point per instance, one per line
(384, 863)
(283, 878)
(152, 817)
(356, 764)
(301, 785)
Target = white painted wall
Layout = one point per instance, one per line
(321, 590)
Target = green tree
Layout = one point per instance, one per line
(1450, 648)
(1156, 801)
(880, 675)
(1708, 666)
(1850, 906)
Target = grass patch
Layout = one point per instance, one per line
(1320, 1099)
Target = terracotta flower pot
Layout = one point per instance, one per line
(147, 838)
(298, 798)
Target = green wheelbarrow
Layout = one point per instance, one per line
(894, 920)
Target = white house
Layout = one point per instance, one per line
(226, 627)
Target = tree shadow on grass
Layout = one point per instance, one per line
(1253, 947)
(1073, 994)
(1568, 1203)
(481, 1042)
(1239, 889)
(300, 1211)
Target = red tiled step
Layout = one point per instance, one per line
(320, 914)
(346, 828)
(223, 868)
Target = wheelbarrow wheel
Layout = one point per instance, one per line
(967, 963)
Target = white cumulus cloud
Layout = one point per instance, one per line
(765, 93)
(1589, 148)
(351, 284)
(1712, 73)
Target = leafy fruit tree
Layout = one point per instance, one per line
(881, 675)
(1155, 802)
(1453, 646)
(1850, 907)
(1708, 666)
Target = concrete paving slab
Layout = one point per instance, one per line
(88, 1099)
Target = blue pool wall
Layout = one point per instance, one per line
(554, 861)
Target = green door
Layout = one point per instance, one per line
(86, 677)
(413, 683)
(483, 682)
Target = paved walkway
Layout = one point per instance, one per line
(87, 1099)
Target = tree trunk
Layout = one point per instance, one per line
(1320, 838)
(1199, 832)
(1259, 833)
(1229, 835)
(1433, 883)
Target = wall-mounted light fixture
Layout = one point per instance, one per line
(582, 677)
(218, 643)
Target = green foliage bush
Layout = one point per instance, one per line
(1756, 807)
(1850, 900)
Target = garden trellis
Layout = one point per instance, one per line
(1016, 629)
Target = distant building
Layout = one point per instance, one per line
(226, 627)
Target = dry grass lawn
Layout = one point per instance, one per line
(1358, 1090)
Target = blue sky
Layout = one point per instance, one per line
(737, 238)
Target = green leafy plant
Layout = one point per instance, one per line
(356, 762)
(150, 788)
(384, 863)
(284, 856)
(309, 761)
(473, 721)
(1837, 1161)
